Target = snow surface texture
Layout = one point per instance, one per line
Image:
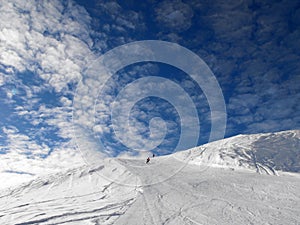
(264, 153)
(247, 179)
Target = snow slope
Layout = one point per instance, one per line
(264, 153)
(72, 197)
(214, 196)
(224, 182)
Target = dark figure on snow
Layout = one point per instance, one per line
(148, 160)
(153, 155)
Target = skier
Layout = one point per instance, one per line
(148, 160)
(153, 155)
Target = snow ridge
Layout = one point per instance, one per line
(263, 153)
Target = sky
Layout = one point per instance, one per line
(130, 78)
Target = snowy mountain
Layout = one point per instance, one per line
(224, 182)
(264, 153)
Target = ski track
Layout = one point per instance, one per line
(79, 196)
(215, 196)
(190, 196)
(174, 190)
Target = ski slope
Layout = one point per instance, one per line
(72, 197)
(225, 182)
(213, 196)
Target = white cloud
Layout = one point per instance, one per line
(17, 168)
(50, 39)
(45, 34)
(174, 15)
(21, 144)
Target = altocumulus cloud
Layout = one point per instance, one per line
(44, 46)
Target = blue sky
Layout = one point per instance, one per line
(47, 47)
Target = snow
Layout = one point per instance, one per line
(264, 153)
(240, 180)
(72, 197)
(9, 179)
(213, 196)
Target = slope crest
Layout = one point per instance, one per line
(263, 153)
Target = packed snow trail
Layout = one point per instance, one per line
(198, 195)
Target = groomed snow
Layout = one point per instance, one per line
(225, 182)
